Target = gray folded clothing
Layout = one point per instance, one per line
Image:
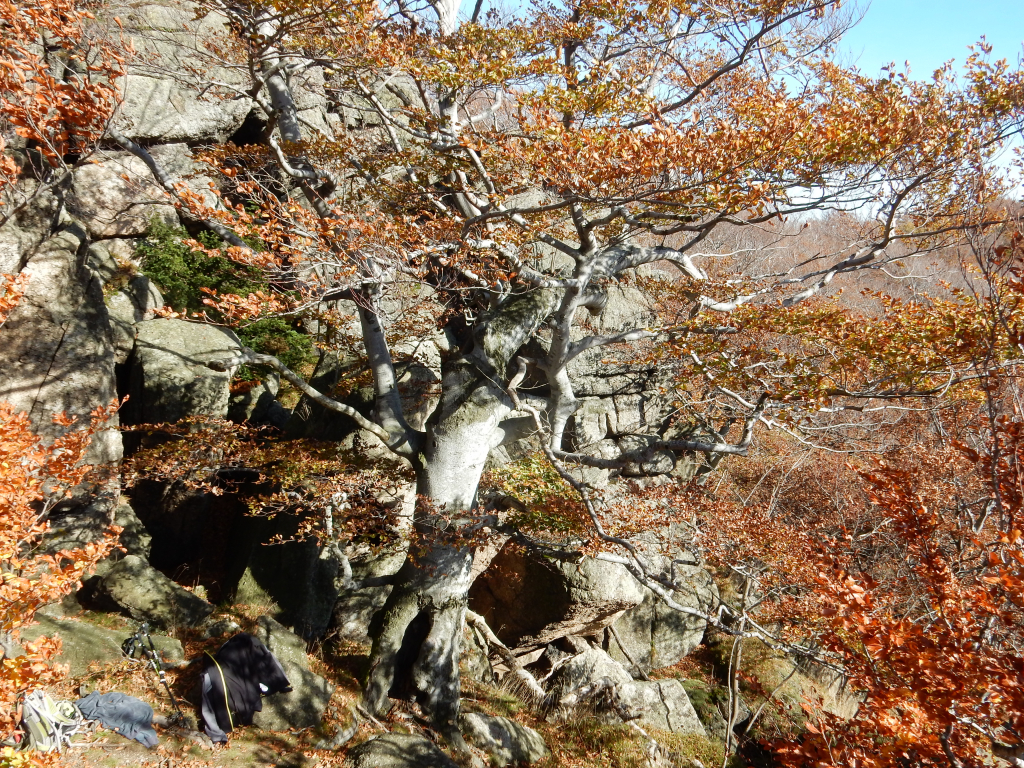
(129, 716)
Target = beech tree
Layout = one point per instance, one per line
(511, 167)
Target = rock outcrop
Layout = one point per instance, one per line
(530, 600)
(594, 680)
(304, 706)
(170, 379)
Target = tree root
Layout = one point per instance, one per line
(476, 621)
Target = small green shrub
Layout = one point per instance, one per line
(276, 336)
(181, 273)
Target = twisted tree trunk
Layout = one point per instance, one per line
(416, 636)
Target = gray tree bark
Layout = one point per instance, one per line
(417, 634)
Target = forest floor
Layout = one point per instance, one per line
(577, 742)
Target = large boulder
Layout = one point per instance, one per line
(170, 379)
(161, 89)
(56, 349)
(667, 707)
(397, 750)
(531, 600)
(593, 679)
(655, 635)
(145, 594)
(505, 741)
(84, 644)
(305, 705)
(117, 196)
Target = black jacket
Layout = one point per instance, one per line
(234, 679)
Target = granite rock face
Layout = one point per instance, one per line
(160, 95)
(592, 679)
(56, 348)
(116, 196)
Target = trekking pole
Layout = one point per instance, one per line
(139, 640)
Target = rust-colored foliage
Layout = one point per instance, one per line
(312, 480)
(938, 660)
(57, 94)
(33, 477)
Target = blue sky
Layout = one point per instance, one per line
(929, 32)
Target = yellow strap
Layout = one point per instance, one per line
(224, 682)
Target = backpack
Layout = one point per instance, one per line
(48, 724)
